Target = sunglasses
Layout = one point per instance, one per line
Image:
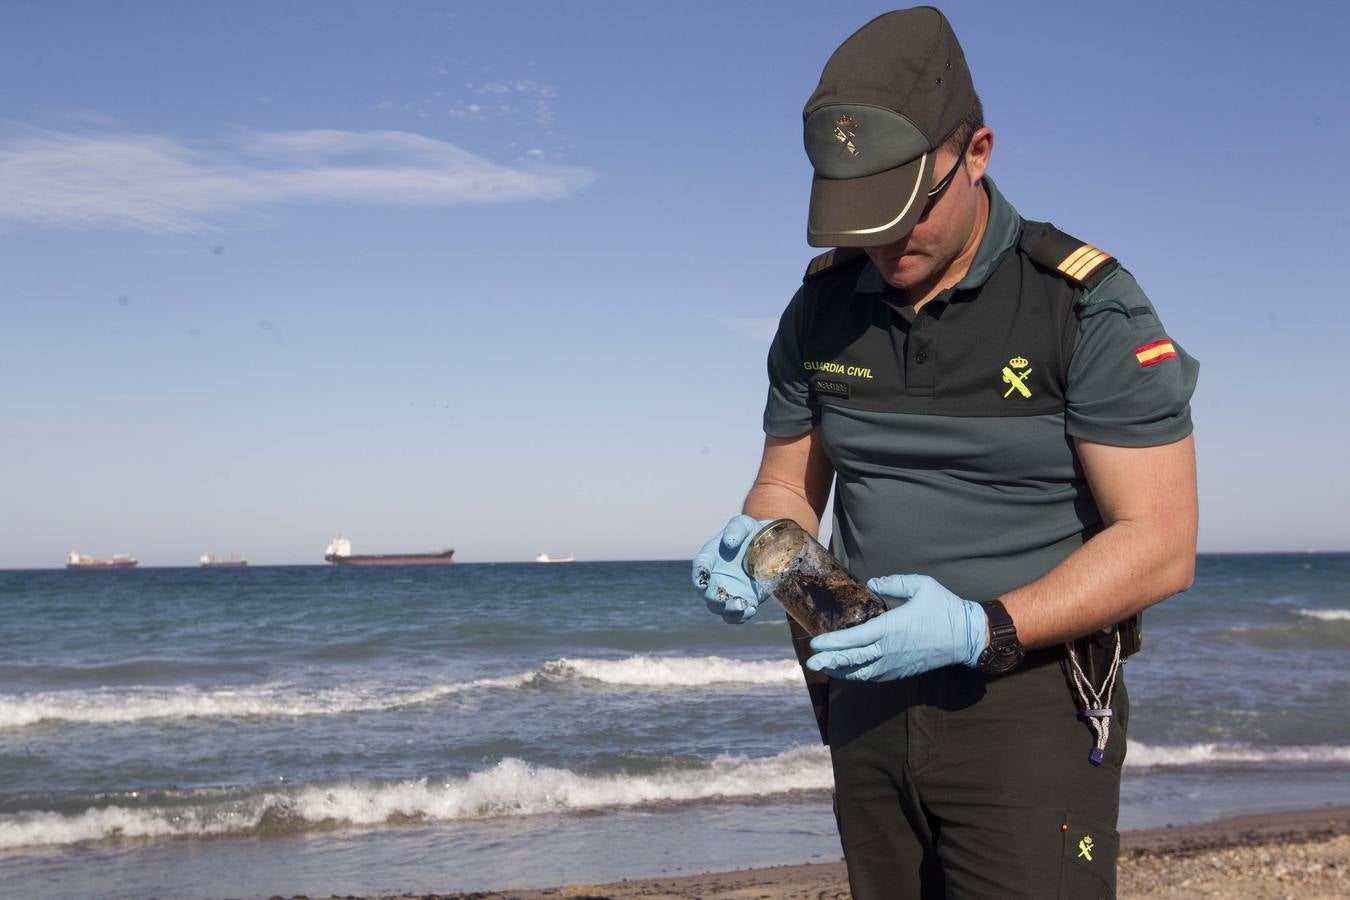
(941, 186)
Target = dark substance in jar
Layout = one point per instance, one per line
(822, 602)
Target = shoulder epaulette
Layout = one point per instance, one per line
(1081, 263)
(833, 259)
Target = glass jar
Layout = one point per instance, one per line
(807, 581)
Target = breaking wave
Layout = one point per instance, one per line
(1327, 615)
(511, 787)
(133, 704)
(676, 671)
(1148, 756)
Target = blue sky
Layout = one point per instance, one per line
(502, 276)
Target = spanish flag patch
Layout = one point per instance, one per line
(1155, 352)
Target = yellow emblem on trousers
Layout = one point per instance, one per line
(1085, 848)
(1017, 381)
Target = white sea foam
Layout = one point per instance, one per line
(509, 788)
(678, 671)
(45, 829)
(1145, 756)
(133, 704)
(187, 702)
(1327, 615)
(513, 787)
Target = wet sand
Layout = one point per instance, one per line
(1303, 854)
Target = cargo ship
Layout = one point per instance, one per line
(339, 553)
(119, 561)
(212, 562)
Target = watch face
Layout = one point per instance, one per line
(998, 660)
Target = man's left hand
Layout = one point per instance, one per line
(931, 629)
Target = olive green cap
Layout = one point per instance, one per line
(887, 99)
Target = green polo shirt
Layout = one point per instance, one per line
(950, 429)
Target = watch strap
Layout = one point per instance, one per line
(1000, 621)
(1004, 651)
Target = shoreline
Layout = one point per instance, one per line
(1303, 853)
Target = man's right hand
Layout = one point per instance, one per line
(719, 575)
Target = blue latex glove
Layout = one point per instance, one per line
(932, 629)
(718, 575)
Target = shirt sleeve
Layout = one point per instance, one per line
(791, 409)
(1129, 382)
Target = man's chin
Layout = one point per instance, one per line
(905, 273)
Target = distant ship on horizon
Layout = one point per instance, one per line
(339, 552)
(210, 561)
(119, 561)
(545, 558)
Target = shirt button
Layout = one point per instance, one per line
(921, 356)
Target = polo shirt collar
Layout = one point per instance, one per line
(1000, 234)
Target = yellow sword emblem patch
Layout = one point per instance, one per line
(1085, 847)
(1017, 381)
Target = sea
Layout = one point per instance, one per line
(256, 731)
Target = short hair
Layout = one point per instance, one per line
(972, 123)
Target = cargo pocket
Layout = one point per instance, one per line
(1088, 863)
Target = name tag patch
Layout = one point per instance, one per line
(832, 388)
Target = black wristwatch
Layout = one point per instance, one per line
(1004, 651)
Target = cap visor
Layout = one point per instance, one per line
(868, 211)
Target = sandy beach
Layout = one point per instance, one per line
(1303, 854)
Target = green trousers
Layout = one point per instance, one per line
(957, 785)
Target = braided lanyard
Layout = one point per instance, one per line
(1094, 706)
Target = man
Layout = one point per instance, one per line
(1006, 426)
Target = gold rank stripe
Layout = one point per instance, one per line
(1155, 352)
(823, 261)
(1079, 264)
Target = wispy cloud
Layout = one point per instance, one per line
(508, 99)
(154, 183)
(519, 86)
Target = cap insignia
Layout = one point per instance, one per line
(845, 130)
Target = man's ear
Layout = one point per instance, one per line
(977, 157)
